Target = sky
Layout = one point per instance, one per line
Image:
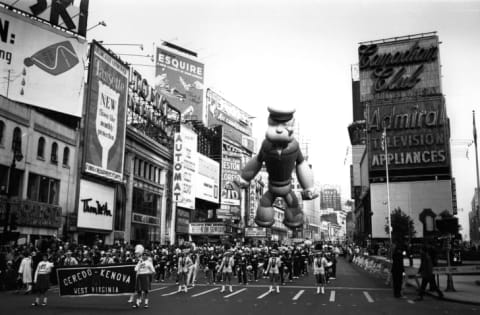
(299, 53)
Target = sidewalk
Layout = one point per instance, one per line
(467, 287)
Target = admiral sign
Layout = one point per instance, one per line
(417, 137)
(394, 69)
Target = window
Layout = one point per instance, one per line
(2, 130)
(66, 156)
(54, 155)
(41, 148)
(17, 140)
(43, 189)
(145, 202)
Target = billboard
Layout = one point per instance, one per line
(69, 15)
(417, 137)
(237, 123)
(44, 66)
(185, 161)
(200, 228)
(408, 67)
(95, 206)
(231, 168)
(207, 179)
(106, 107)
(180, 79)
(410, 197)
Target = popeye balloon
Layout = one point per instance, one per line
(281, 154)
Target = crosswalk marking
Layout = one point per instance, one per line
(234, 293)
(264, 295)
(332, 296)
(299, 294)
(171, 293)
(205, 292)
(368, 297)
(158, 289)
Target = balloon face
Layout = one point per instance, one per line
(280, 132)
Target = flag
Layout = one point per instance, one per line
(474, 129)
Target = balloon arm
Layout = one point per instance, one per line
(305, 178)
(251, 169)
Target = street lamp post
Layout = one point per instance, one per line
(17, 157)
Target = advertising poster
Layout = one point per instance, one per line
(95, 206)
(185, 161)
(44, 66)
(417, 137)
(408, 67)
(237, 123)
(207, 228)
(96, 280)
(69, 15)
(231, 168)
(106, 114)
(180, 78)
(207, 179)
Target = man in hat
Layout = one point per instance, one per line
(69, 259)
(281, 154)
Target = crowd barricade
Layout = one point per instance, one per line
(377, 266)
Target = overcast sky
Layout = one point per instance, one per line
(263, 52)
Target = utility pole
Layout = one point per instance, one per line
(384, 143)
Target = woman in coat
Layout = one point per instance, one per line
(25, 271)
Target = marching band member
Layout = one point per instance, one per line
(319, 265)
(42, 280)
(273, 269)
(145, 270)
(184, 264)
(226, 267)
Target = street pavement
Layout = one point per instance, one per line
(353, 292)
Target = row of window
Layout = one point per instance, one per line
(146, 171)
(17, 144)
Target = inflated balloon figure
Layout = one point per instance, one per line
(281, 154)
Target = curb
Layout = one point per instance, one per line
(449, 299)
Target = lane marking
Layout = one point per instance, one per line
(157, 289)
(236, 292)
(410, 301)
(264, 295)
(332, 296)
(205, 292)
(299, 294)
(368, 297)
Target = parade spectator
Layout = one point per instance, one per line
(25, 271)
(397, 271)
(426, 271)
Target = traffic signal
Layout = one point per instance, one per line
(13, 221)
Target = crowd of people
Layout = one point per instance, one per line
(186, 265)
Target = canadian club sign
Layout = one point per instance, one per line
(403, 68)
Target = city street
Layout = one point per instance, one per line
(353, 292)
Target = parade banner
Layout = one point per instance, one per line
(96, 280)
(180, 78)
(106, 114)
(69, 15)
(44, 66)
